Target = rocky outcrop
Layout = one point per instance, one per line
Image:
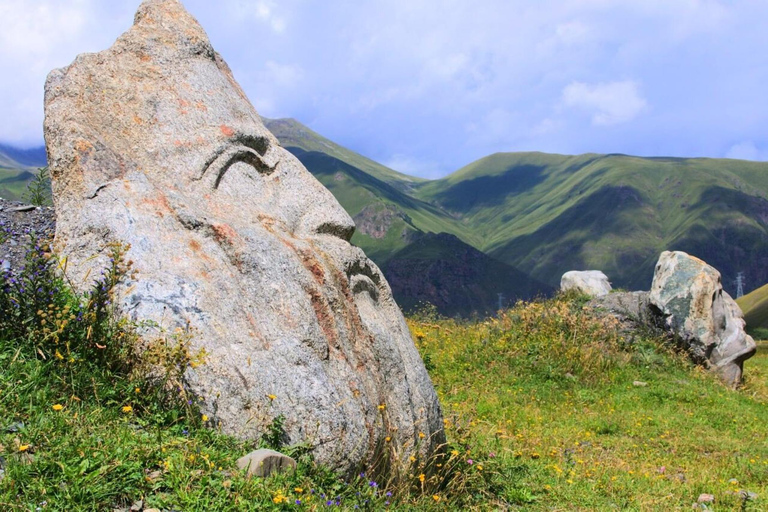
(688, 295)
(153, 143)
(589, 282)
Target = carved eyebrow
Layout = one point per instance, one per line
(242, 148)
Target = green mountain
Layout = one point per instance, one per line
(17, 168)
(546, 214)
(456, 278)
(541, 214)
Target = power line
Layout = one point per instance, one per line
(739, 284)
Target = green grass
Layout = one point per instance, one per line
(551, 395)
(540, 411)
(754, 305)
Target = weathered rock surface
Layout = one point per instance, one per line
(631, 311)
(265, 462)
(590, 282)
(689, 296)
(153, 143)
(19, 221)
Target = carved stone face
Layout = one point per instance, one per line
(153, 143)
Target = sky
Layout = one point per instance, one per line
(428, 86)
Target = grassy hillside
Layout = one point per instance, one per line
(546, 214)
(545, 407)
(456, 278)
(755, 308)
(293, 134)
(576, 420)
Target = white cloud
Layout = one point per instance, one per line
(264, 11)
(610, 103)
(413, 166)
(746, 150)
(284, 75)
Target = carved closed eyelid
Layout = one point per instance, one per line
(241, 148)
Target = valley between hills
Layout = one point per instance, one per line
(507, 226)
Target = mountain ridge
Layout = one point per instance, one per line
(544, 214)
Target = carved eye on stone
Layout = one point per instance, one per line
(247, 150)
(362, 279)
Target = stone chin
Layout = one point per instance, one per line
(153, 143)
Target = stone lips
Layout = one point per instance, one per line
(153, 143)
(689, 296)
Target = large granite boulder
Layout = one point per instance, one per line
(689, 296)
(589, 282)
(153, 143)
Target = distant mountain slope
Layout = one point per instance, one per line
(292, 133)
(455, 277)
(754, 305)
(16, 169)
(546, 214)
(13, 158)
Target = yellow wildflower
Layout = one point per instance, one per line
(422, 477)
(455, 453)
(137, 390)
(127, 409)
(23, 447)
(436, 498)
(298, 490)
(272, 397)
(382, 407)
(422, 435)
(205, 417)
(387, 439)
(57, 407)
(479, 467)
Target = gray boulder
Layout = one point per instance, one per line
(589, 282)
(153, 143)
(264, 462)
(689, 296)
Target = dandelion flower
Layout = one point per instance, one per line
(205, 417)
(382, 407)
(23, 447)
(436, 498)
(57, 407)
(127, 409)
(272, 397)
(137, 390)
(422, 477)
(455, 452)
(422, 435)
(479, 467)
(387, 439)
(298, 490)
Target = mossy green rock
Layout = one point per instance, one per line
(689, 295)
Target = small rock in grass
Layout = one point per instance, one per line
(138, 506)
(639, 384)
(265, 462)
(706, 498)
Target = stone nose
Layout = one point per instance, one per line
(326, 217)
